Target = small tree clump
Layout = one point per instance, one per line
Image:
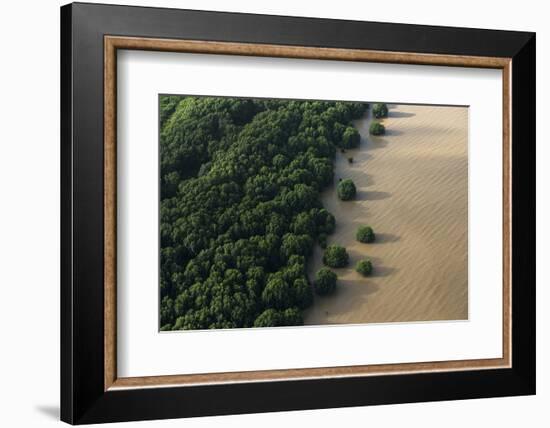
(325, 282)
(322, 239)
(325, 222)
(346, 190)
(380, 110)
(365, 234)
(350, 138)
(364, 267)
(376, 128)
(335, 256)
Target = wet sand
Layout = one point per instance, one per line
(413, 190)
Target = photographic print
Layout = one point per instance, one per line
(277, 212)
(332, 208)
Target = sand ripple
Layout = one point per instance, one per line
(413, 190)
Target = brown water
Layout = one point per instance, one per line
(413, 190)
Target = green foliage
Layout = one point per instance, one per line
(292, 316)
(376, 128)
(303, 293)
(168, 104)
(322, 239)
(325, 282)
(364, 267)
(365, 234)
(350, 138)
(296, 244)
(274, 318)
(240, 206)
(268, 318)
(346, 190)
(335, 256)
(380, 110)
(276, 293)
(325, 222)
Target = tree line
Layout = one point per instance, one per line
(240, 207)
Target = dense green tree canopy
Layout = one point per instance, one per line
(350, 138)
(325, 282)
(268, 318)
(346, 190)
(380, 110)
(364, 267)
(365, 234)
(240, 206)
(335, 256)
(376, 128)
(273, 318)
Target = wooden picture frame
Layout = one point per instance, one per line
(91, 390)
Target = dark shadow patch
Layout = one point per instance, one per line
(392, 132)
(372, 195)
(50, 411)
(381, 271)
(368, 287)
(400, 114)
(378, 268)
(382, 238)
(376, 143)
(433, 129)
(351, 301)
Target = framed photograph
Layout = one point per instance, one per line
(266, 213)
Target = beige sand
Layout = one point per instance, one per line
(413, 190)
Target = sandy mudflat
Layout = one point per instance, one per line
(413, 190)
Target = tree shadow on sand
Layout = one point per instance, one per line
(383, 238)
(372, 195)
(350, 300)
(359, 155)
(400, 114)
(376, 143)
(379, 270)
(352, 295)
(382, 271)
(392, 132)
(367, 287)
